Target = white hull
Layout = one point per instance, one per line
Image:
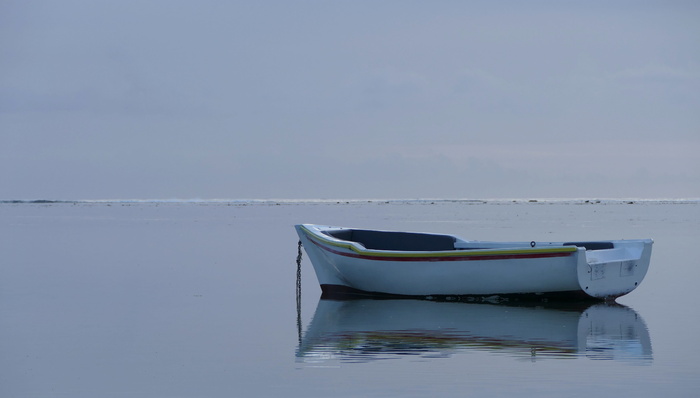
(612, 269)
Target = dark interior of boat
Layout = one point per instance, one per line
(413, 241)
(592, 245)
(389, 240)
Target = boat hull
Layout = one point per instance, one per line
(348, 267)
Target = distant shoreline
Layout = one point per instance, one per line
(241, 202)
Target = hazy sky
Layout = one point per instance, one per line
(349, 99)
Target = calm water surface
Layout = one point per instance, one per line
(198, 300)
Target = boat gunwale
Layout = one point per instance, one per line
(361, 251)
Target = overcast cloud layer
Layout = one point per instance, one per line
(351, 99)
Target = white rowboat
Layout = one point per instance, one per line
(371, 262)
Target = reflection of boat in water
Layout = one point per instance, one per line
(367, 330)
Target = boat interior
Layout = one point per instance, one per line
(401, 241)
(414, 241)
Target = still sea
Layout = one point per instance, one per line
(199, 299)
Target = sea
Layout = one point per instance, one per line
(215, 298)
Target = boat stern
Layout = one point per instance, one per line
(611, 273)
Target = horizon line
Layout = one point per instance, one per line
(585, 200)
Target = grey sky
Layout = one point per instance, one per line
(352, 99)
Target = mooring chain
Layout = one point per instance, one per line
(299, 271)
(299, 291)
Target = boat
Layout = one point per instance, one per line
(364, 262)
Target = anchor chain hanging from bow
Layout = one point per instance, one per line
(299, 291)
